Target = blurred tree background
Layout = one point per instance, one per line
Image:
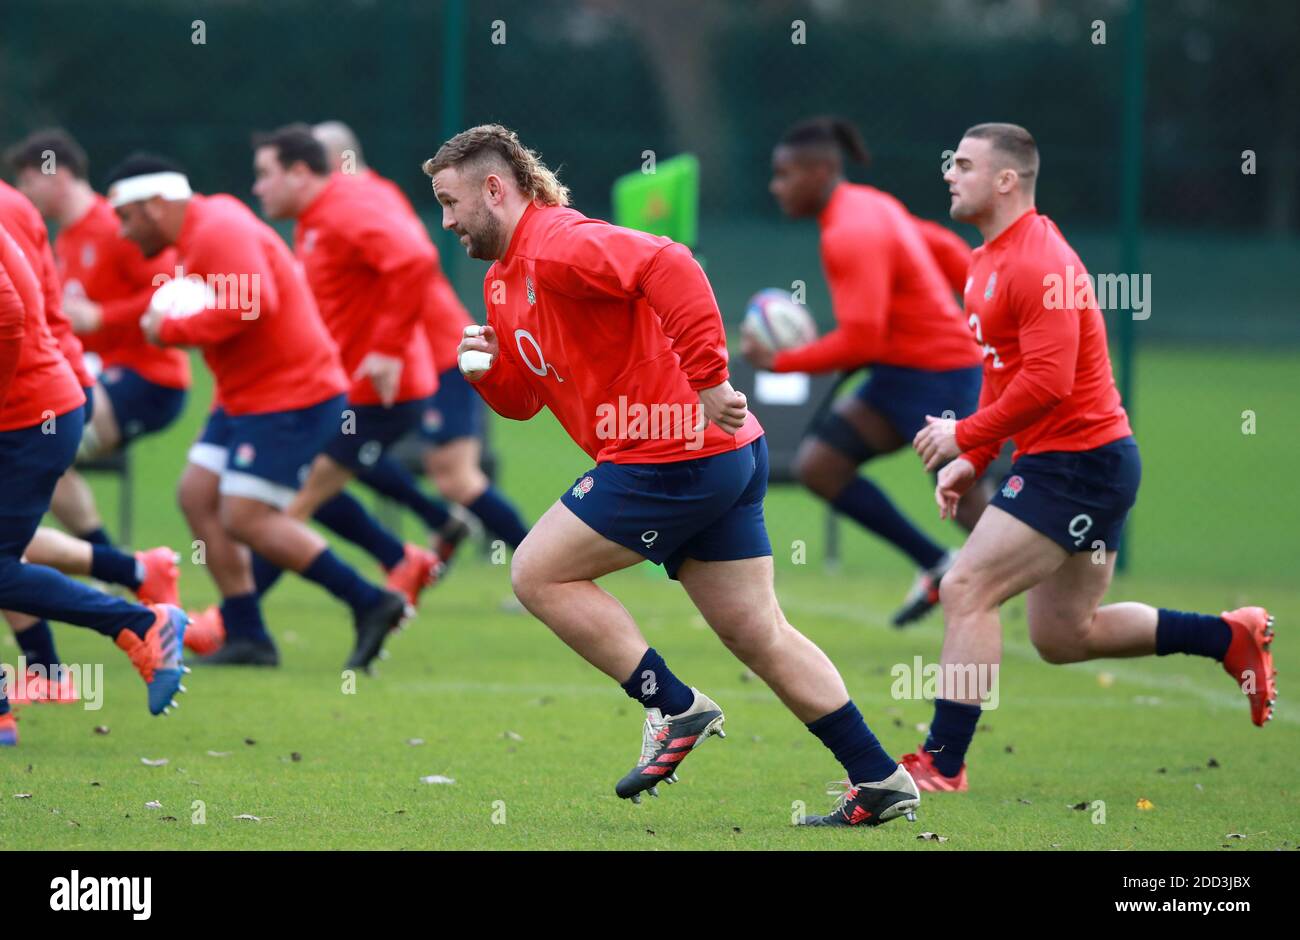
(593, 84)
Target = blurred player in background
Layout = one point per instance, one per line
(368, 272)
(454, 420)
(278, 399)
(586, 318)
(1053, 528)
(893, 279)
(41, 419)
(51, 168)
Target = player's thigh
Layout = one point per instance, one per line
(198, 492)
(103, 422)
(560, 547)
(871, 425)
(1060, 609)
(736, 598)
(1002, 557)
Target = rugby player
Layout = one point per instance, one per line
(41, 417)
(453, 423)
(279, 398)
(584, 317)
(896, 313)
(1053, 528)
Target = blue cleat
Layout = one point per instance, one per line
(158, 657)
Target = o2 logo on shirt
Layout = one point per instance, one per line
(1079, 527)
(542, 366)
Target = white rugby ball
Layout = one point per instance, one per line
(183, 297)
(775, 320)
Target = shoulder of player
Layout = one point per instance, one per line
(562, 238)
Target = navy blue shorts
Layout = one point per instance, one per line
(454, 411)
(1075, 498)
(31, 461)
(709, 508)
(140, 406)
(368, 430)
(88, 409)
(266, 457)
(905, 396)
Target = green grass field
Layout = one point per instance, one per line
(534, 739)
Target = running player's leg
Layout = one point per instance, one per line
(235, 633)
(73, 503)
(366, 433)
(151, 574)
(738, 601)
(1002, 558)
(553, 574)
(31, 462)
(827, 463)
(1068, 625)
(46, 679)
(267, 455)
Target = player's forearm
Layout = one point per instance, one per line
(506, 392)
(839, 349)
(124, 311)
(675, 287)
(1022, 404)
(208, 328)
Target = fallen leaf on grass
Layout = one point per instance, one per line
(22, 796)
(101, 729)
(932, 837)
(415, 742)
(151, 762)
(1211, 763)
(1083, 805)
(1105, 679)
(1025, 801)
(219, 753)
(1145, 804)
(153, 804)
(436, 778)
(167, 819)
(1235, 835)
(249, 741)
(249, 816)
(512, 735)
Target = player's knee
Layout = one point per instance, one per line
(1059, 650)
(240, 519)
(818, 474)
(526, 578)
(461, 485)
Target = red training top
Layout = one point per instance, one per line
(893, 303)
(261, 334)
(1047, 378)
(445, 317)
(96, 262)
(615, 331)
(368, 269)
(36, 381)
(25, 224)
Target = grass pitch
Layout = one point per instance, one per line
(534, 739)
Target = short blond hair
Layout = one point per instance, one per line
(481, 146)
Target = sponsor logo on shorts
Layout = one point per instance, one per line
(432, 420)
(1013, 486)
(369, 453)
(649, 537)
(244, 455)
(583, 487)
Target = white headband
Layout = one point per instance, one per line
(169, 185)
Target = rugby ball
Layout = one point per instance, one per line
(183, 297)
(776, 321)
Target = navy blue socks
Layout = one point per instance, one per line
(950, 734)
(242, 617)
(389, 478)
(1195, 634)
(500, 517)
(847, 736)
(114, 566)
(866, 504)
(37, 644)
(653, 684)
(341, 581)
(346, 517)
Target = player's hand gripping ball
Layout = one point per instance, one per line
(176, 298)
(477, 351)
